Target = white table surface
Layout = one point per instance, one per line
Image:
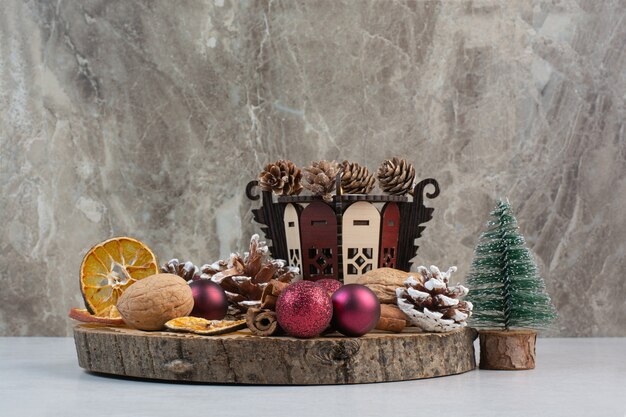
(574, 377)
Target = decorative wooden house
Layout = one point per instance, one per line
(347, 237)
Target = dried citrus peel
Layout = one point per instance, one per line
(202, 326)
(109, 268)
(80, 314)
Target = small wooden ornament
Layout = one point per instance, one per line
(507, 350)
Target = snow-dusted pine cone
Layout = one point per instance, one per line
(320, 178)
(282, 177)
(355, 178)
(244, 277)
(430, 304)
(186, 270)
(396, 176)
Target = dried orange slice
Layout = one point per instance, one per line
(85, 316)
(203, 326)
(109, 268)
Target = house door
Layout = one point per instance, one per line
(318, 231)
(292, 234)
(390, 232)
(361, 234)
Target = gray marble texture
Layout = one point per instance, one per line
(147, 119)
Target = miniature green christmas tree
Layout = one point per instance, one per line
(505, 287)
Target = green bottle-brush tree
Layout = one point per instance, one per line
(505, 287)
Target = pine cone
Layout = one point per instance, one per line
(320, 178)
(282, 177)
(430, 304)
(186, 270)
(244, 278)
(396, 176)
(356, 179)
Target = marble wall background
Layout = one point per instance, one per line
(147, 118)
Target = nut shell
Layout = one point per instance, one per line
(150, 303)
(392, 311)
(391, 325)
(384, 281)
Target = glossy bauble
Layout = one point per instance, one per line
(304, 309)
(209, 299)
(356, 310)
(330, 284)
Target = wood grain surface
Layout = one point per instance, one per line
(507, 350)
(240, 358)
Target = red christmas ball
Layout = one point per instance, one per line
(356, 310)
(304, 309)
(331, 285)
(209, 300)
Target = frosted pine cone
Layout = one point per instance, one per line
(430, 304)
(355, 178)
(282, 177)
(396, 176)
(186, 270)
(243, 278)
(320, 178)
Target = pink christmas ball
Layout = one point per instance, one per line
(209, 300)
(304, 309)
(331, 285)
(356, 310)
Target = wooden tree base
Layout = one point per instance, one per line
(240, 358)
(507, 350)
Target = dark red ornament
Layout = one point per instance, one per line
(331, 285)
(209, 300)
(304, 309)
(356, 310)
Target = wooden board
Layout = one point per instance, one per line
(240, 358)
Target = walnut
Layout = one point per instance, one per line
(151, 302)
(391, 318)
(384, 281)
